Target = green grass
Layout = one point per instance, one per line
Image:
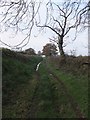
(76, 84)
(52, 102)
(21, 99)
(17, 82)
(78, 87)
(45, 107)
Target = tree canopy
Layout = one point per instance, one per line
(49, 49)
(30, 51)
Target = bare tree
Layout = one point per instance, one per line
(18, 15)
(61, 18)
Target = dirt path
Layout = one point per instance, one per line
(37, 102)
(72, 101)
(32, 108)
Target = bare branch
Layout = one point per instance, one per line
(49, 28)
(4, 43)
(63, 18)
(19, 16)
(59, 8)
(57, 22)
(53, 40)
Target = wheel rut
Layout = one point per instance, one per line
(32, 108)
(74, 104)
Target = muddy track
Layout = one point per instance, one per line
(32, 109)
(73, 103)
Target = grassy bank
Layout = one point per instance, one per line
(42, 94)
(17, 82)
(53, 101)
(75, 76)
(50, 99)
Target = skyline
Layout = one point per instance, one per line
(37, 41)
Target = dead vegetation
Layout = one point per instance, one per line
(76, 65)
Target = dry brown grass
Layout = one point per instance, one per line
(76, 65)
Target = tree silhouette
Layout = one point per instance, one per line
(21, 16)
(62, 18)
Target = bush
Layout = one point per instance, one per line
(71, 64)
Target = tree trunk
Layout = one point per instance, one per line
(60, 46)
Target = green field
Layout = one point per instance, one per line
(56, 90)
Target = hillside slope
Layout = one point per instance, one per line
(17, 73)
(59, 89)
(73, 73)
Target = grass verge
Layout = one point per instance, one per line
(77, 86)
(18, 83)
(52, 99)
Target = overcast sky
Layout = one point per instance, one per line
(37, 41)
